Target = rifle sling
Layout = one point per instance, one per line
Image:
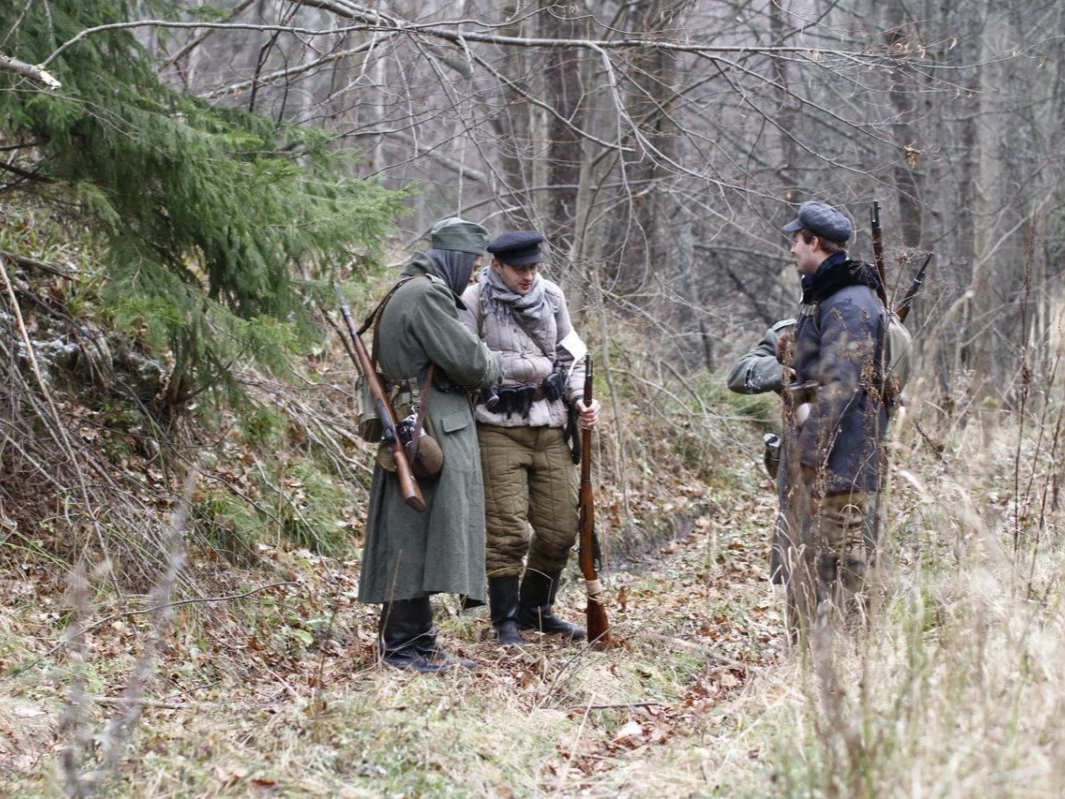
(372, 318)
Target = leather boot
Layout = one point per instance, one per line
(538, 591)
(503, 603)
(426, 643)
(402, 628)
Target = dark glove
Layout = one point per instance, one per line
(554, 385)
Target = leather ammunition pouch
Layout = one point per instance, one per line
(510, 400)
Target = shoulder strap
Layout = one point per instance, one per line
(480, 313)
(525, 329)
(371, 320)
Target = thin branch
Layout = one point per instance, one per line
(44, 266)
(462, 36)
(288, 72)
(198, 40)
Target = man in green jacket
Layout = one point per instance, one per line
(410, 555)
(760, 370)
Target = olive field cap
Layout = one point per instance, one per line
(518, 247)
(458, 234)
(821, 220)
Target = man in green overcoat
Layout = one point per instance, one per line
(410, 555)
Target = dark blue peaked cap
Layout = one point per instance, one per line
(518, 247)
(821, 220)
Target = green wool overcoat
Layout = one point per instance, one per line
(407, 553)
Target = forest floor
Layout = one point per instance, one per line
(278, 693)
(264, 681)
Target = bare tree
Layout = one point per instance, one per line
(661, 144)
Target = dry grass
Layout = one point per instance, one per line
(237, 710)
(957, 690)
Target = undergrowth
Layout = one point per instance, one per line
(264, 678)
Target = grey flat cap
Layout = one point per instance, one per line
(821, 220)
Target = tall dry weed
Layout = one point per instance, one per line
(957, 688)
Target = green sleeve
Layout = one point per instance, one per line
(449, 344)
(758, 370)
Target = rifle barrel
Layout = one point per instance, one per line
(878, 250)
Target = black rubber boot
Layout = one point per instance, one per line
(538, 591)
(402, 628)
(503, 603)
(426, 643)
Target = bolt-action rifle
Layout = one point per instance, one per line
(902, 310)
(589, 560)
(408, 486)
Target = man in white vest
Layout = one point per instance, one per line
(530, 478)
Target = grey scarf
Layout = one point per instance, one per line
(454, 266)
(531, 311)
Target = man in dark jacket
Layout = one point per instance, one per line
(834, 416)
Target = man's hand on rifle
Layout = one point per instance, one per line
(589, 414)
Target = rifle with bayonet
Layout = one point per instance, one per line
(589, 559)
(408, 486)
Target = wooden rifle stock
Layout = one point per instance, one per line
(878, 250)
(408, 486)
(598, 625)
